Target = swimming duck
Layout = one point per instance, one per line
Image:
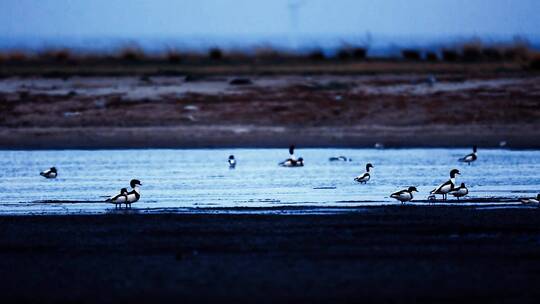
(469, 158)
(292, 161)
(51, 173)
(447, 186)
(119, 199)
(404, 195)
(460, 191)
(339, 158)
(364, 178)
(232, 162)
(527, 201)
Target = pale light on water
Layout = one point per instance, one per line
(177, 179)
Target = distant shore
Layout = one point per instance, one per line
(513, 136)
(394, 254)
(421, 105)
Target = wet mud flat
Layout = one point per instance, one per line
(398, 254)
(426, 109)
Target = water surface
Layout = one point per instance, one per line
(180, 180)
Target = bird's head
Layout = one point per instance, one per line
(135, 182)
(412, 189)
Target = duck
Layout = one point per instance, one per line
(232, 162)
(339, 158)
(364, 178)
(460, 191)
(292, 161)
(51, 173)
(469, 158)
(135, 194)
(404, 195)
(447, 186)
(527, 201)
(118, 199)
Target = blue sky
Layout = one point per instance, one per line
(132, 18)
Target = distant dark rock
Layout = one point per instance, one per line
(240, 81)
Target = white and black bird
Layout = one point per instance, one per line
(364, 178)
(460, 191)
(339, 158)
(292, 161)
(527, 201)
(232, 162)
(135, 194)
(126, 197)
(469, 158)
(119, 199)
(51, 173)
(404, 195)
(444, 188)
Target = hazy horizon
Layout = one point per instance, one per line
(242, 24)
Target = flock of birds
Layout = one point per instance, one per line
(449, 187)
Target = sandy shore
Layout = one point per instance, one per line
(390, 254)
(397, 110)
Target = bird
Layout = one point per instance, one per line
(119, 199)
(51, 173)
(364, 178)
(404, 195)
(460, 191)
(135, 194)
(469, 158)
(339, 158)
(527, 201)
(447, 186)
(232, 162)
(292, 161)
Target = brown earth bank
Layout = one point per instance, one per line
(385, 254)
(397, 110)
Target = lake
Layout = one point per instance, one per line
(191, 180)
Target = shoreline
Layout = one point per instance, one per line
(399, 254)
(249, 136)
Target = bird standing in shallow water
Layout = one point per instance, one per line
(469, 158)
(51, 173)
(404, 195)
(447, 186)
(292, 161)
(460, 191)
(232, 162)
(135, 194)
(364, 178)
(125, 197)
(119, 199)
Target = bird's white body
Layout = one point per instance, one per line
(402, 196)
(48, 174)
(445, 187)
(134, 195)
(364, 178)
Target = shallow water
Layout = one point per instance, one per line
(180, 180)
